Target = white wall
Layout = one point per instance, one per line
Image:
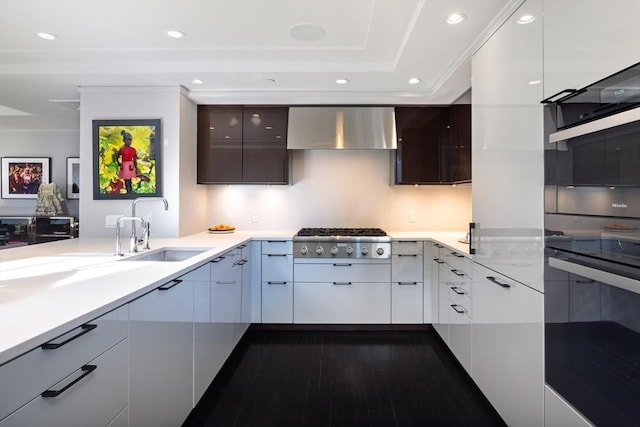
(341, 188)
(178, 157)
(57, 145)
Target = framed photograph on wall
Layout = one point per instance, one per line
(73, 178)
(126, 159)
(21, 176)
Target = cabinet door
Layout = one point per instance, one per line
(161, 355)
(406, 302)
(95, 395)
(418, 153)
(277, 301)
(507, 343)
(265, 156)
(582, 49)
(205, 363)
(226, 288)
(219, 144)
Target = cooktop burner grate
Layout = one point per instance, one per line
(351, 232)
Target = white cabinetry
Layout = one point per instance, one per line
(277, 281)
(455, 310)
(161, 355)
(78, 379)
(557, 412)
(406, 281)
(507, 353)
(585, 41)
(345, 291)
(438, 321)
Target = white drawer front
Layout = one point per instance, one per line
(407, 268)
(342, 272)
(94, 400)
(277, 302)
(277, 267)
(342, 303)
(277, 247)
(407, 247)
(455, 259)
(29, 375)
(406, 302)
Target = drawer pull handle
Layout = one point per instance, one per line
(170, 285)
(276, 254)
(585, 281)
(341, 283)
(407, 241)
(276, 241)
(457, 290)
(438, 245)
(220, 282)
(438, 260)
(218, 259)
(494, 280)
(407, 255)
(86, 370)
(407, 283)
(457, 272)
(342, 265)
(457, 255)
(455, 308)
(241, 246)
(276, 283)
(53, 345)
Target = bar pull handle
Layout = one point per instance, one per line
(221, 282)
(457, 255)
(407, 255)
(494, 280)
(342, 264)
(457, 290)
(457, 272)
(276, 254)
(455, 308)
(218, 259)
(86, 370)
(276, 241)
(438, 245)
(170, 285)
(53, 345)
(438, 260)
(276, 283)
(341, 283)
(407, 283)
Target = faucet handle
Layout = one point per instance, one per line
(145, 236)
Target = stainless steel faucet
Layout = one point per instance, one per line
(133, 243)
(145, 238)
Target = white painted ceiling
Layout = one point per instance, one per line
(240, 49)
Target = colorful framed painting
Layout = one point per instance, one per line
(73, 178)
(126, 159)
(21, 176)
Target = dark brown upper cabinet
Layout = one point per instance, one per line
(242, 145)
(434, 144)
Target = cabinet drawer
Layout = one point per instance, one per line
(29, 375)
(277, 302)
(277, 247)
(406, 247)
(407, 268)
(342, 303)
(455, 259)
(406, 302)
(277, 267)
(342, 272)
(93, 400)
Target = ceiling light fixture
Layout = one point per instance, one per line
(307, 32)
(526, 19)
(455, 18)
(197, 81)
(414, 81)
(342, 81)
(175, 34)
(47, 36)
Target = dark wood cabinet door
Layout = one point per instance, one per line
(265, 156)
(418, 153)
(219, 144)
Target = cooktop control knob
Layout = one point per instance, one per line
(349, 250)
(334, 250)
(304, 250)
(319, 250)
(380, 251)
(364, 251)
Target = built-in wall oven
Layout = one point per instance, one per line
(592, 248)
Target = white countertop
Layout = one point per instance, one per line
(48, 289)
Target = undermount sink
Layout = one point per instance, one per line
(167, 254)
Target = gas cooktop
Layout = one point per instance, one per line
(340, 232)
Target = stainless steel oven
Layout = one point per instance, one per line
(592, 249)
(43, 229)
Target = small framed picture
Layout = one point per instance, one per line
(73, 178)
(21, 176)
(126, 159)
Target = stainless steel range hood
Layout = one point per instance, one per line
(318, 128)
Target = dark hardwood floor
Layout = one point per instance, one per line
(342, 378)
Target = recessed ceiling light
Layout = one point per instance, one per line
(526, 19)
(342, 81)
(307, 32)
(47, 36)
(455, 18)
(175, 34)
(535, 82)
(414, 81)
(197, 81)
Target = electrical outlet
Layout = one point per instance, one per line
(112, 221)
(254, 216)
(411, 216)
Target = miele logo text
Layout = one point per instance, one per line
(619, 205)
